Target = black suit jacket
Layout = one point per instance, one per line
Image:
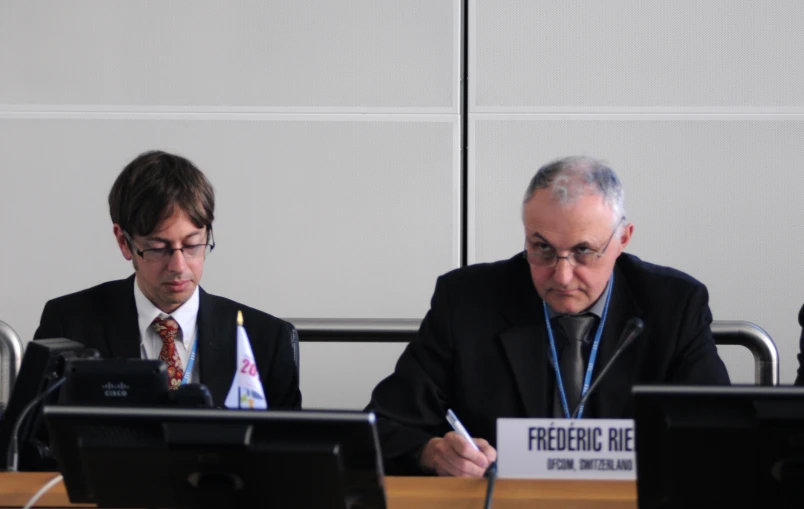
(105, 317)
(482, 351)
(800, 377)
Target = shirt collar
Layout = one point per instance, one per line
(185, 315)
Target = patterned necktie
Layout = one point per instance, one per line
(571, 363)
(167, 328)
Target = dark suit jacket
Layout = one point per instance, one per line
(800, 377)
(105, 317)
(482, 350)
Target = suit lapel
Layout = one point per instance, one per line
(217, 347)
(120, 326)
(614, 391)
(526, 351)
(524, 342)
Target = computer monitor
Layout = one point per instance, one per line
(739, 446)
(42, 365)
(197, 458)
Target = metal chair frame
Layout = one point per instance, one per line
(725, 332)
(759, 342)
(10, 359)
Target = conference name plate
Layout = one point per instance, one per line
(587, 449)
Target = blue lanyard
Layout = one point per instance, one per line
(186, 378)
(592, 356)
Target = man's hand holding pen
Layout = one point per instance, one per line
(457, 453)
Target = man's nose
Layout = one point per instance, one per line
(563, 272)
(177, 262)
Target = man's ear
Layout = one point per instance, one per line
(625, 236)
(122, 242)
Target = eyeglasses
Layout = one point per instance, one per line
(547, 257)
(164, 254)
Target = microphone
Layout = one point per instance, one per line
(632, 329)
(491, 474)
(191, 396)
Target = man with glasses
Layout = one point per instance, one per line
(522, 337)
(162, 208)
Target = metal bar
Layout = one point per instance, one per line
(725, 332)
(355, 330)
(465, 133)
(10, 359)
(753, 337)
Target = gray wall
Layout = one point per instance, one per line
(695, 104)
(331, 131)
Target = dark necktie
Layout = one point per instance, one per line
(571, 363)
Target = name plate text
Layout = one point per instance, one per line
(566, 449)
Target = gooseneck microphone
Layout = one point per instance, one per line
(491, 474)
(632, 329)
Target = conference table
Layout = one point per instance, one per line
(405, 493)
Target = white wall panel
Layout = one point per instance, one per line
(332, 216)
(352, 370)
(288, 55)
(717, 196)
(655, 55)
(320, 213)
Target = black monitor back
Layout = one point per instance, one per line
(42, 364)
(217, 457)
(740, 446)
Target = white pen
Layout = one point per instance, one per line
(453, 421)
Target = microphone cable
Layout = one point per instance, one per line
(44, 489)
(13, 453)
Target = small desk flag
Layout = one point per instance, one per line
(246, 390)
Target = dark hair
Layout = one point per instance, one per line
(151, 186)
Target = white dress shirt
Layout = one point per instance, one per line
(187, 318)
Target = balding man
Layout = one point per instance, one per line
(521, 337)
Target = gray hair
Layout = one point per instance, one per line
(572, 177)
